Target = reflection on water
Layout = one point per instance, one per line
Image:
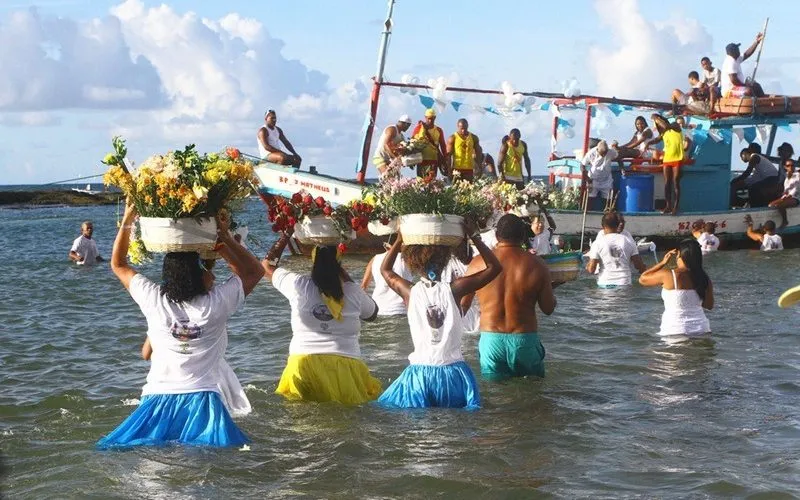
(621, 413)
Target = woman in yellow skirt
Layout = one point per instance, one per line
(327, 308)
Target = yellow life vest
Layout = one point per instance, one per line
(431, 151)
(512, 163)
(464, 152)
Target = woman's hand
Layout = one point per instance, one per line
(669, 255)
(130, 213)
(223, 219)
(470, 227)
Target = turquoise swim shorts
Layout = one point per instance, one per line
(505, 355)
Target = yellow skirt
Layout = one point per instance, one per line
(328, 377)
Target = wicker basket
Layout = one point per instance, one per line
(380, 229)
(564, 266)
(319, 230)
(411, 159)
(163, 235)
(432, 229)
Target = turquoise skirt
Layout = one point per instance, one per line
(423, 386)
(195, 418)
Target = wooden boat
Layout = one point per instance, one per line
(749, 106)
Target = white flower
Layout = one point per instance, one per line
(201, 192)
(155, 163)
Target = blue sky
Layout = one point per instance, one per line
(160, 75)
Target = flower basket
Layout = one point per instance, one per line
(412, 159)
(378, 228)
(319, 230)
(432, 229)
(563, 266)
(161, 234)
(528, 210)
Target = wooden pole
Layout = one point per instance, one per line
(755, 68)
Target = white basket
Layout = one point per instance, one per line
(432, 229)
(380, 229)
(528, 210)
(319, 230)
(412, 159)
(161, 234)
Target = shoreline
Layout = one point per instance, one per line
(22, 199)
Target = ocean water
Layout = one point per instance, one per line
(621, 413)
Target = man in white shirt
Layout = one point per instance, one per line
(614, 253)
(84, 248)
(599, 177)
(733, 81)
(712, 77)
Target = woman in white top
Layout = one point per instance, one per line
(686, 291)
(327, 309)
(789, 198)
(389, 303)
(187, 317)
(437, 375)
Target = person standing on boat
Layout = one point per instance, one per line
(327, 308)
(464, 152)
(389, 303)
(686, 290)
(672, 158)
(598, 176)
(435, 152)
(614, 253)
(512, 153)
(389, 145)
(509, 344)
(270, 138)
(637, 146)
(84, 248)
(712, 77)
(187, 316)
(785, 152)
(760, 178)
(733, 81)
(790, 197)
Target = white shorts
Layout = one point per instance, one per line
(605, 192)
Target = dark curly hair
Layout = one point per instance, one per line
(422, 259)
(327, 273)
(182, 276)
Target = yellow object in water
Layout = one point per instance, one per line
(790, 297)
(328, 377)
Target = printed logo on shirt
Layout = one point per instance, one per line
(616, 254)
(321, 312)
(184, 331)
(435, 316)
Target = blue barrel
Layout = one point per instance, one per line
(636, 193)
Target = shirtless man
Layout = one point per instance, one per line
(389, 144)
(270, 138)
(509, 345)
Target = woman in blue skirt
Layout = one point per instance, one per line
(187, 319)
(437, 375)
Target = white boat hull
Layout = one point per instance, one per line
(285, 181)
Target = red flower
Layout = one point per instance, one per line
(355, 222)
(297, 198)
(367, 208)
(320, 201)
(342, 248)
(291, 221)
(305, 209)
(232, 153)
(385, 221)
(280, 201)
(276, 227)
(308, 199)
(327, 210)
(363, 221)
(287, 210)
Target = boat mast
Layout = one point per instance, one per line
(376, 91)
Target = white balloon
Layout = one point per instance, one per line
(519, 99)
(500, 99)
(571, 122)
(507, 89)
(508, 101)
(530, 101)
(568, 133)
(576, 92)
(406, 78)
(414, 81)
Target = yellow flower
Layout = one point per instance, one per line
(189, 201)
(371, 199)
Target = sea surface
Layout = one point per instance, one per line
(621, 413)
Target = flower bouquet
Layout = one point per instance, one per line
(178, 194)
(315, 221)
(381, 221)
(431, 212)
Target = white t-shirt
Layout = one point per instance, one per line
(389, 303)
(188, 339)
(600, 167)
(791, 184)
(314, 330)
(712, 78)
(436, 324)
(770, 242)
(614, 251)
(456, 269)
(730, 67)
(540, 243)
(86, 248)
(708, 242)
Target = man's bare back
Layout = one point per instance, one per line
(508, 303)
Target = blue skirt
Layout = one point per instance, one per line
(422, 386)
(195, 418)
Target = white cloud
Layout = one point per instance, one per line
(30, 119)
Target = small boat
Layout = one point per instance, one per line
(87, 190)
